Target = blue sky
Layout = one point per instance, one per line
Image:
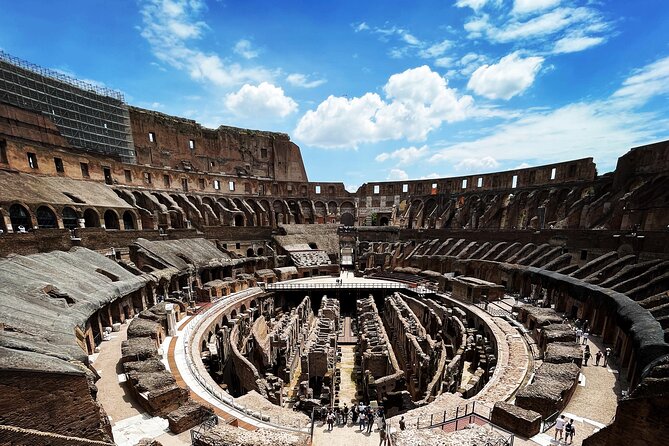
(378, 90)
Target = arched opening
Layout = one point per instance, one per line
(250, 253)
(70, 219)
(111, 220)
(46, 219)
(233, 314)
(313, 245)
(128, 220)
(239, 220)
(19, 216)
(383, 221)
(260, 251)
(91, 219)
(242, 309)
(346, 219)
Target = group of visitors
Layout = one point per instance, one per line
(358, 414)
(582, 331)
(562, 426)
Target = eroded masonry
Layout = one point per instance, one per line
(154, 269)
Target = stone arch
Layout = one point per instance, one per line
(46, 218)
(280, 212)
(224, 321)
(242, 309)
(233, 314)
(91, 218)
(383, 221)
(260, 251)
(332, 207)
(268, 211)
(320, 212)
(70, 218)
(20, 216)
(249, 220)
(254, 304)
(239, 220)
(347, 219)
(250, 252)
(111, 219)
(307, 211)
(129, 221)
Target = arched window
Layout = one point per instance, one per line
(111, 220)
(46, 219)
(239, 220)
(128, 220)
(91, 219)
(250, 253)
(20, 216)
(70, 219)
(347, 219)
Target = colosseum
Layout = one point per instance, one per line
(167, 283)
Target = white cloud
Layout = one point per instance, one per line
(531, 6)
(170, 26)
(470, 62)
(352, 187)
(417, 101)
(581, 21)
(362, 26)
(301, 80)
(474, 4)
(245, 49)
(263, 100)
(595, 129)
(444, 62)
(397, 175)
(436, 49)
(477, 164)
(645, 83)
(430, 176)
(509, 77)
(405, 155)
(573, 44)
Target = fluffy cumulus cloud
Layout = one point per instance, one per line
(302, 80)
(416, 102)
(405, 155)
(265, 100)
(474, 4)
(171, 27)
(509, 77)
(530, 6)
(397, 175)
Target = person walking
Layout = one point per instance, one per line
(607, 355)
(403, 424)
(345, 414)
(586, 357)
(586, 334)
(370, 422)
(354, 415)
(382, 437)
(569, 432)
(362, 419)
(579, 333)
(330, 419)
(559, 427)
(598, 357)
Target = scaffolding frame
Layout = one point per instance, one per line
(90, 117)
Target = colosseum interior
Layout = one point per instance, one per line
(175, 284)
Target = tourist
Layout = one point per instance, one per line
(586, 357)
(559, 427)
(403, 424)
(586, 334)
(382, 437)
(370, 421)
(345, 415)
(362, 420)
(569, 431)
(607, 355)
(598, 356)
(579, 333)
(354, 414)
(324, 414)
(330, 419)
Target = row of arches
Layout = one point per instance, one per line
(20, 217)
(177, 210)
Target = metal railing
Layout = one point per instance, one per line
(215, 391)
(331, 286)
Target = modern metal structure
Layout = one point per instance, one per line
(90, 117)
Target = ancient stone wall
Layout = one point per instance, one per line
(52, 402)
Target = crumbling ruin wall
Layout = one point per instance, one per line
(288, 337)
(319, 358)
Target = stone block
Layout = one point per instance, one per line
(523, 422)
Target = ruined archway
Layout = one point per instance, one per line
(70, 218)
(129, 221)
(46, 218)
(91, 218)
(111, 220)
(20, 216)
